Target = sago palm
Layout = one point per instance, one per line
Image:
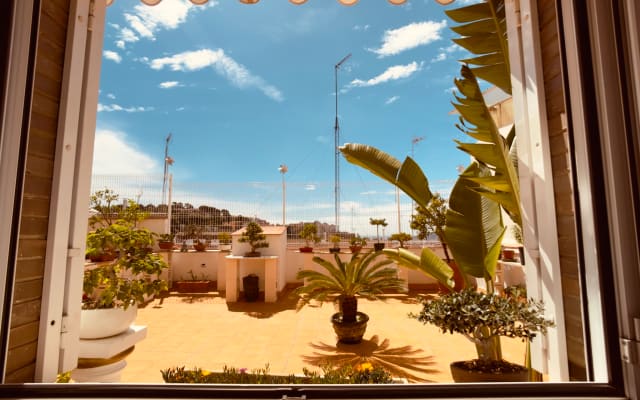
(363, 275)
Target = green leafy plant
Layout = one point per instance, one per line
(357, 240)
(363, 275)
(484, 317)
(254, 236)
(432, 219)
(135, 271)
(166, 237)
(224, 238)
(401, 237)
(309, 234)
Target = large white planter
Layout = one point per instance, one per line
(101, 323)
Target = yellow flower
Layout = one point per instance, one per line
(205, 372)
(365, 366)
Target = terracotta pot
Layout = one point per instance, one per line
(164, 245)
(334, 250)
(355, 249)
(508, 255)
(106, 322)
(462, 374)
(378, 246)
(191, 286)
(199, 246)
(350, 332)
(306, 249)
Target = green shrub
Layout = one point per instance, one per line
(363, 373)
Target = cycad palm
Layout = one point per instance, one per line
(362, 275)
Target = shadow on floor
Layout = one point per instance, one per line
(260, 309)
(402, 361)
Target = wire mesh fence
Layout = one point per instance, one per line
(225, 207)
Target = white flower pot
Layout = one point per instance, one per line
(101, 323)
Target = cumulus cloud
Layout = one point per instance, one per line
(120, 44)
(361, 27)
(224, 65)
(117, 156)
(395, 41)
(111, 96)
(439, 57)
(392, 99)
(112, 55)
(117, 107)
(126, 35)
(391, 74)
(169, 84)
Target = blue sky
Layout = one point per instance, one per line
(245, 88)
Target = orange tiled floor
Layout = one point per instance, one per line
(206, 332)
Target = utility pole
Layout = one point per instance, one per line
(167, 161)
(414, 141)
(336, 149)
(283, 170)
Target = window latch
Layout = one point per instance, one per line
(629, 349)
(301, 397)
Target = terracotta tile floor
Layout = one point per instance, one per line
(204, 331)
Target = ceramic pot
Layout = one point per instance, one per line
(106, 322)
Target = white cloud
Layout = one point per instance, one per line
(112, 55)
(111, 96)
(167, 15)
(180, 109)
(114, 155)
(451, 89)
(409, 36)
(120, 44)
(391, 74)
(127, 35)
(439, 57)
(224, 65)
(117, 107)
(392, 99)
(169, 84)
(361, 27)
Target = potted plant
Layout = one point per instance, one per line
(165, 241)
(310, 235)
(253, 235)
(194, 284)
(112, 290)
(483, 318)
(200, 245)
(400, 237)
(378, 222)
(356, 243)
(225, 241)
(335, 239)
(363, 275)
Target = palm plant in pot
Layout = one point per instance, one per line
(363, 275)
(378, 222)
(253, 235)
(115, 288)
(310, 235)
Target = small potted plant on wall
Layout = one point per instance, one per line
(225, 241)
(165, 241)
(310, 235)
(356, 243)
(378, 246)
(200, 245)
(335, 239)
(253, 235)
(194, 284)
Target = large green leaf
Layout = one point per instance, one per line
(474, 226)
(428, 262)
(491, 149)
(407, 176)
(483, 32)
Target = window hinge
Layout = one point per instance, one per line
(630, 350)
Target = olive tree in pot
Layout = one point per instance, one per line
(310, 235)
(400, 237)
(335, 240)
(363, 275)
(378, 222)
(253, 235)
(483, 318)
(356, 243)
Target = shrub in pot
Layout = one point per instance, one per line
(253, 235)
(400, 237)
(378, 222)
(200, 245)
(335, 239)
(483, 318)
(225, 241)
(310, 235)
(363, 275)
(356, 243)
(165, 241)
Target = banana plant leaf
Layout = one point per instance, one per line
(483, 32)
(491, 148)
(474, 228)
(428, 262)
(407, 176)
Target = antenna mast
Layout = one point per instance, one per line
(167, 161)
(336, 148)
